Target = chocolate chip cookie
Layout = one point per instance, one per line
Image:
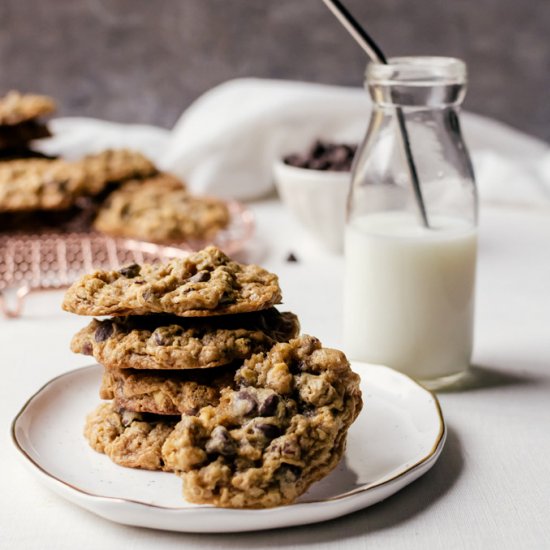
(129, 439)
(113, 166)
(169, 342)
(283, 427)
(161, 210)
(205, 283)
(165, 392)
(45, 184)
(39, 184)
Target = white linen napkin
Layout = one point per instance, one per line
(225, 143)
(74, 137)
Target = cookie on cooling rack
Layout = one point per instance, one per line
(161, 210)
(170, 342)
(39, 184)
(113, 166)
(46, 184)
(203, 284)
(280, 429)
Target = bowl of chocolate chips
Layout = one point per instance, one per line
(314, 185)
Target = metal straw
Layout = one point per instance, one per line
(376, 55)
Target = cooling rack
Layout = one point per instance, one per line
(53, 259)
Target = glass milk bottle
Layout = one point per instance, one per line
(409, 283)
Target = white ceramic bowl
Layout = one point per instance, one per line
(317, 198)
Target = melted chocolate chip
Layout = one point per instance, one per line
(220, 442)
(289, 472)
(103, 331)
(269, 406)
(130, 271)
(269, 431)
(245, 403)
(200, 277)
(87, 348)
(159, 340)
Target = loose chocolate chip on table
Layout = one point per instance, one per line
(103, 331)
(291, 257)
(130, 271)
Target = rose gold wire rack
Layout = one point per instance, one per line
(52, 260)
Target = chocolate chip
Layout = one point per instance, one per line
(127, 417)
(318, 149)
(147, 294)
(200, 277)
(227, 298)
(269, 431)
(245, 403)
(289, 472)
(323, 155)
(220, 442)
(269, 406)
(159, 339)
(290, 449)
(87, 348)
(291, 257)
(130, 271)
(103, 331)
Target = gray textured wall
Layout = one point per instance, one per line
(145, 60)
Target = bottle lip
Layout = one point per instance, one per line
(417, 71)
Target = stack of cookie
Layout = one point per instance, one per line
(207, 379)
(117, 192)
(21, 122)
(177, 334)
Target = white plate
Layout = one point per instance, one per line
(397, 438)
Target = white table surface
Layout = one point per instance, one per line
(491, 487)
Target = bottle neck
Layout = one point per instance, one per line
(417, 83)
(441, 96)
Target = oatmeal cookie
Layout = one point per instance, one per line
(169, 342)
(39, 184)
(283, 427)
(161, 210)
(112, 166)
(16, 108)
(165, 392)
(202, 284)
(45, 184)
(129, 439)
